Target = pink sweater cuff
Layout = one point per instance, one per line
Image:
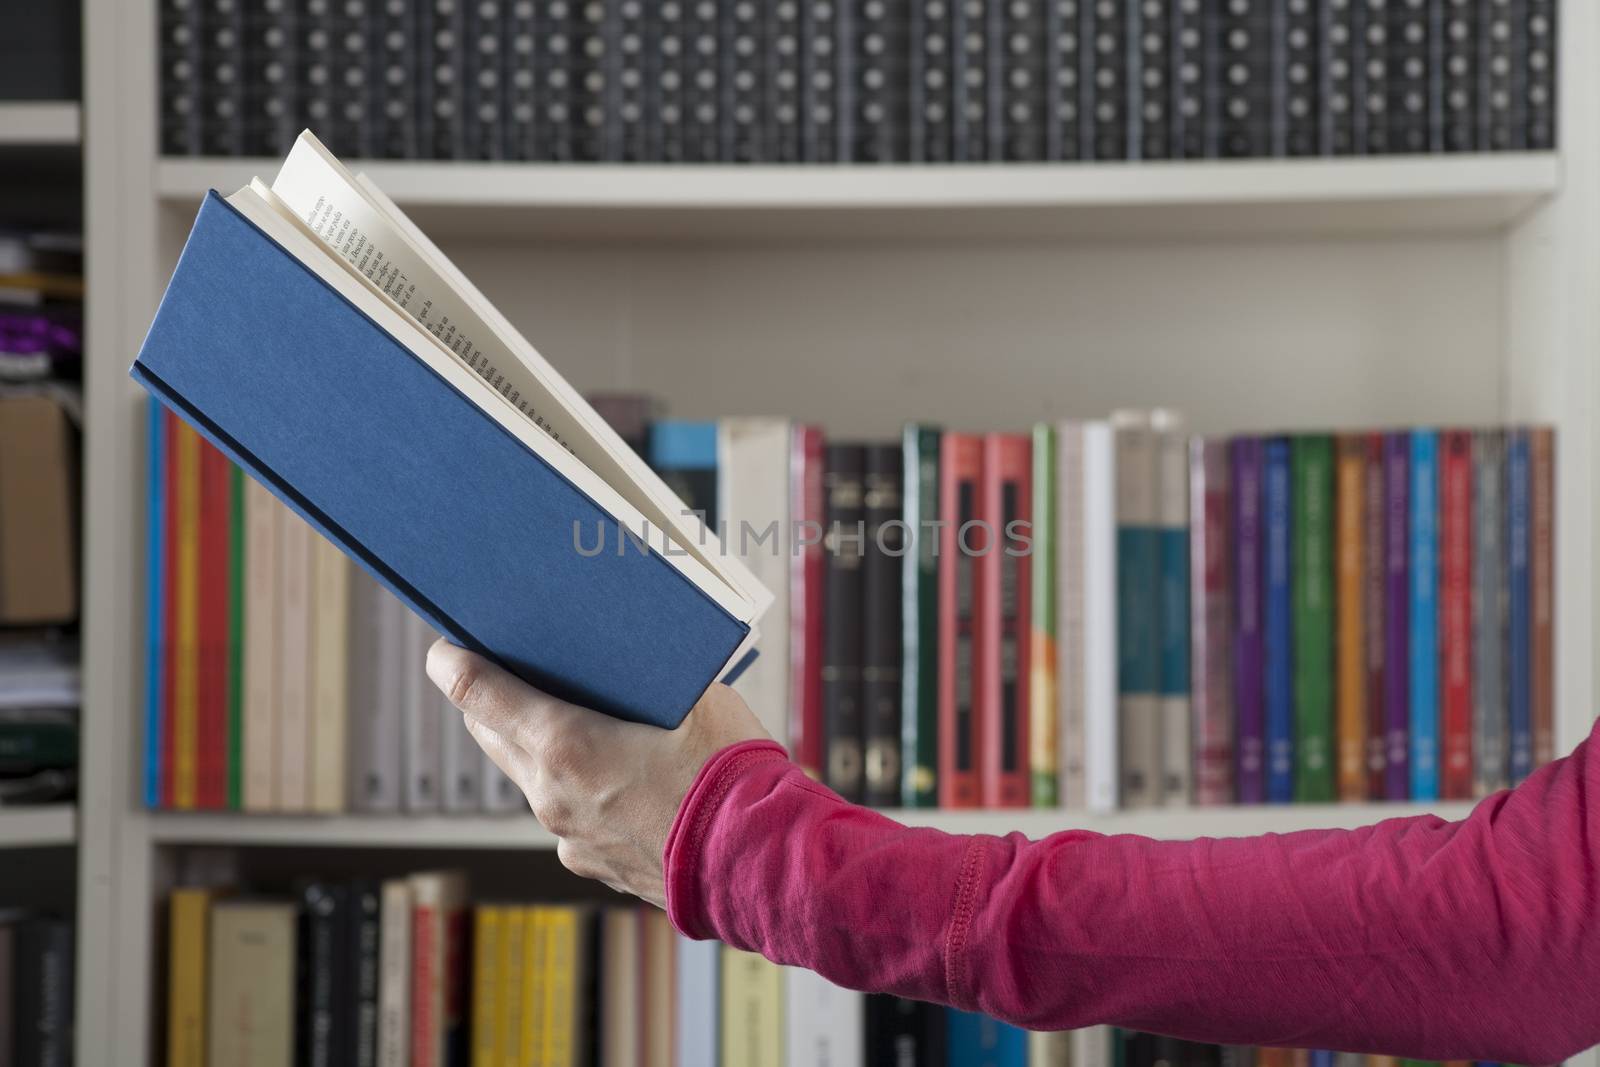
(680, 860)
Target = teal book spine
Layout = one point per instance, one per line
(1424, 615)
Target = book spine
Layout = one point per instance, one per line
(329, 711)
(785, 44)
(703, 105)
(294, 662)
(360, 996)
(1063, 69)
(222, 74)
(314, 88)
(694, 1028)
(263, 521)
(483, 71)
(589, 62)
(556, 38)
(321, 956)
(881, 54)
(1105, 78)
(1313, 591)
(844, 542)
(820, 69)
(488, 932)
(395, 74)
(234, 787)
(1210, 615)
(367, 774)
(441, 34)
(1299, 77)
(1460, 78)
(1541, 576)
(1339, 100)
(426, 997)
(1424, 526)
(524, 99)
(1097, 620)
(1152, 52)
(44, 994)
(1409, 48)
(1172, 487)
(1519, 660)
(394, 975)
(1372, 79)
(184, 735)
(627, 47)
(1490, 607)
(510, 992)
(880, 623)
(355, 77)
(919, 620)
(960, 465)
(1277, 617)
(212, 726)
(1192, 74)
(1350, 607)
(1540, 80)
(461, 763)
(806, 598)
(181, 99)
(1397, 615)
(1455, 615)
(752, 1009)
(1249, 639)
(421, 759)
(823, 1024)
(1138, 610)
(1375, 612)
(969, 55)
(1243, 40)
(1044, 699)
(1501, 98)
(741, 92)
(1071, 521)
(188, 911)
(1024, 112)
(156, 645)
(1004, 587)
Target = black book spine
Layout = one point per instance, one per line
(440, 30)
(970, 71)
(320, 958)
(781, 125)
(630, 81)
(666, 121)
(744, 105)
(703, 83)
(1105, 80)
(355, 77)
(483, 70)
(591, 90)
(181, 103)
(1459, 77)
(1409, 47)
(269, 77)
(395, 76)
(904, 1033)
(1244, 81)
(932, 89)
(1302, 80)
(1372, 79)
(886, 544)
(222, 79)
(1540, 77)
(1151, 97)
(1024, 102)
(1336, 70)
(819, 80)
(1191, 72)
(314, 89)
(523, 74)
(880, 79)
(360, 1011)
(843, 552)
(42, 994)
(555, 40)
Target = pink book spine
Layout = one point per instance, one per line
(1210, 621)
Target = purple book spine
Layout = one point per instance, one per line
(1247, 646)
(1397, 614)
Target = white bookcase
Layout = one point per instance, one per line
(1250, 295)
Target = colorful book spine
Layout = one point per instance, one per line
(1210, 615)
(1397, 615)
(1350, 755)
(1375, 599)
(1455, 615)
(1541, 596)
(844, 541)
(188, 916)
(807, 510)
(212, 645)
(1003, 617)
(1249, 649)
(1044, 699)
(1138, 610)
(1312, 582)
(884, 549)
(960, 466)
(1424, 530)
(1490, 608)
(156, 600)
(978, 1039)
(919, 620)
(186, 605)
(1172, 521)
(1277, 617)
(1519, 659)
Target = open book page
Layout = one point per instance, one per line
(277, 222)
(367, 232)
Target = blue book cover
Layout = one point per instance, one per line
(486, 540)
(155, 620)
(1519, 658)
(1277, 622)
(1424, 646)
(979, 1041)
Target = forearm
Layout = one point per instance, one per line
(1473, 939)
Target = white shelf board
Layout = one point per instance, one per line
(42, 826)
(521, 832)
(1455, 193)
(44, 122)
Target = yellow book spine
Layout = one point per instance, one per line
(535, 943)
(486, 938)
(1350, 526)
(190, 911)
(186, 608)
(508, 992)
(752, 1010)
(560, 989)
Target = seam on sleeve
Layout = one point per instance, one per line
(955, 942)
(707, 805)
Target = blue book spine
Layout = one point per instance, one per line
(1277, 624)
(1321, 1058)
(685, 455)
(1519, 657)
(1424, 615)
(979, 1040)
(156, 620)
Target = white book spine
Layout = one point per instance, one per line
(330, 674)
(1072, 522)
(461, 762)
(421, 714)
(294, 662)
(394, 975)
(695, 1024)
(824, 1025)
(260, 712)
(1172, 487)
(1138, 637)
(1101, 719)
(377, 622)
(1092, 1045)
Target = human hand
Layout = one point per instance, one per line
(607, 789)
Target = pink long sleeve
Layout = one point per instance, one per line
(1470, 940)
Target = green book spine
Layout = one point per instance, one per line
(1044, 718)
(1311, 585)
(919, 621)
(236, 639)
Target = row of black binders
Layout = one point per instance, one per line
(857, 81)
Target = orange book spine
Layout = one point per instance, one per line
(186, 607)
(1541, 562)
(960, 538)
(1455, 614)
(1351, 666)
(1004, 592)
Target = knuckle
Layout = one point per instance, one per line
(466, 685)
(565, 755)
(574, 860)
(555, 816)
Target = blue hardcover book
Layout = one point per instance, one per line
(1277, 624)
(438, 449)
(1424, 615)
(1519, 657)
(155, 575)
(979, 1041)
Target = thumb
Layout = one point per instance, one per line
(487, 694)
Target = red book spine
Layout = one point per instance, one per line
(1455, 614)
(805, 599)
(424, 960)
(960, 539)
(169, 570)
(1210, 609)
(212, 723)
(1004, 616)
(1373, 570)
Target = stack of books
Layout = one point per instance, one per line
(410, 972)
(855, 81)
